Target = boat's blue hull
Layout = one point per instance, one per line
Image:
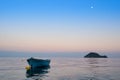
(38, 62)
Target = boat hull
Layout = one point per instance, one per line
(34, 63)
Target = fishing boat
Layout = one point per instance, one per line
(34, 63)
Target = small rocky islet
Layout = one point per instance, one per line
(94, 55)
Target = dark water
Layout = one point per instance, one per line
(62, 69)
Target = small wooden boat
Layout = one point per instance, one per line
(34, 63)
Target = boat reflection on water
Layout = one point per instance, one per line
(37, 73)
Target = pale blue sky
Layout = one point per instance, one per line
(60, 25)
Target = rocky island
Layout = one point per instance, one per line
(94, 55)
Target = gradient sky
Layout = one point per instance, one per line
(60, 25)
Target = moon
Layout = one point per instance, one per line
(91, 7)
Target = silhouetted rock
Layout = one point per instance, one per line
(94, 55)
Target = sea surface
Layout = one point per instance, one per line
(62, 69)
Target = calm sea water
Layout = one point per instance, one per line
(62, 69)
